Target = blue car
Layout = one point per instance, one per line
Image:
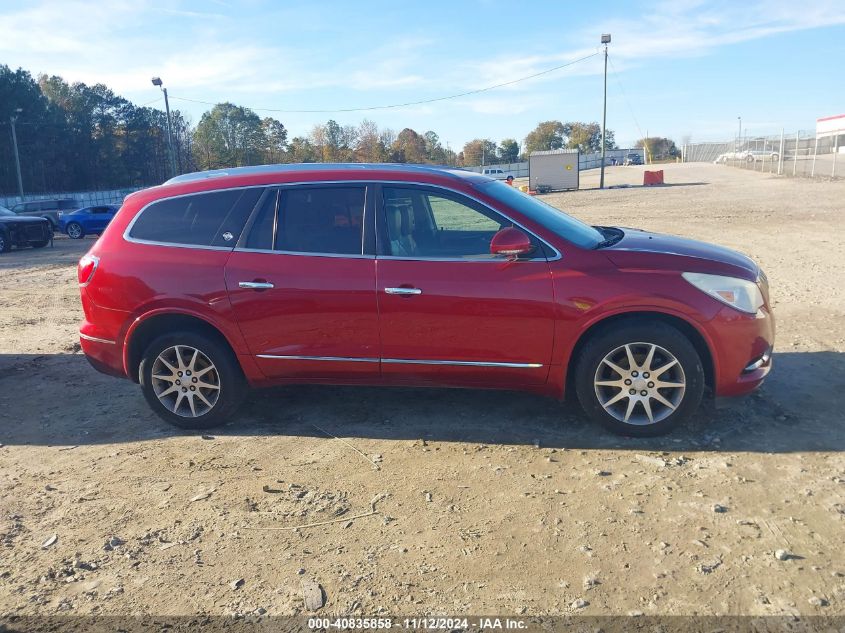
(77, 224)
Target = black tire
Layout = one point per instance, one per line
(77, 229)
(591, 361)
(40, 244)
(5, 244)
(232, 386)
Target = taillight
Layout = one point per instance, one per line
(86, 269)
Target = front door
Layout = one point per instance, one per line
(450, 311)
(302, 285)
(99, 218)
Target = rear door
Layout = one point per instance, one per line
(451, 312)
(302, 284)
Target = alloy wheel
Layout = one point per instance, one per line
(185, 381)
(74, 231)
(640, 383)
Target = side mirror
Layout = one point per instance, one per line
(511, 242)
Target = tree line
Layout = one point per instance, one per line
(75, 137)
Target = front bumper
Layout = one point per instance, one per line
(742, 347)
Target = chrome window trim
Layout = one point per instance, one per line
(403, 361)
(361, 182)
(95, 339)
(240, 249)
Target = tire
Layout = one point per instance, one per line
(75, 231)
(610, 405)
(40, 244)
(185, 408)
(749, 159)
(5, 244)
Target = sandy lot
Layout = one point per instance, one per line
(485, 503)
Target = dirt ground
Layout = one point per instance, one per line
(471, 502)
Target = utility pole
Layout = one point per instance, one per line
(605, 39)
(739, 134)
(12, 120)
(157, 82)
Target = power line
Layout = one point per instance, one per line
(408, 103)
(625, 96)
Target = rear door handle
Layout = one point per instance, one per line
(403, 291)
(255, 285)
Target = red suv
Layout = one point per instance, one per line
(411, 275)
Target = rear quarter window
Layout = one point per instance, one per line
(200, 219)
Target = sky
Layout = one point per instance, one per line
(678, 68)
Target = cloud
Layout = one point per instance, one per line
(201, 55)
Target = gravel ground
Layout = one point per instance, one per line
(449, 502)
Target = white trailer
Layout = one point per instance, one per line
(554, 170)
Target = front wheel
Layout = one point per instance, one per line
(641, 379)
(191, 380)
(75, 231)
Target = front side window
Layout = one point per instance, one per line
(437, 225)
(553, 219)
(202, 219)
(316, 220)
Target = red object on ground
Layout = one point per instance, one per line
(653, 177)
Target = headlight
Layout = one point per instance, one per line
(741, 294)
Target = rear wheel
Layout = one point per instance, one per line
(191, 380)
(75, 231)
(640, 379)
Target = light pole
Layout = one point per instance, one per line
(157, 82)
(605, 39)
(739, 134)
(12, 120)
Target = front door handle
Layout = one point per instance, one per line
(255, 285)
(403, 291)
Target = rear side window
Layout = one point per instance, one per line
(311, 220)
(201, 219)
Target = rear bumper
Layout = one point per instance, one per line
(104, 355)
(99, 337)
(742, 350)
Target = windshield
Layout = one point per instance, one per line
(5, 211)
(553, 219)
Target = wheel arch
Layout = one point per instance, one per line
(696, 337)
(143, 332)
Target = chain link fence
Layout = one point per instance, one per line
(786, 154)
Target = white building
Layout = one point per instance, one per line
(833, 128)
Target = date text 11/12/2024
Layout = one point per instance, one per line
(421, 623)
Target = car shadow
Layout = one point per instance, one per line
(58, 400)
